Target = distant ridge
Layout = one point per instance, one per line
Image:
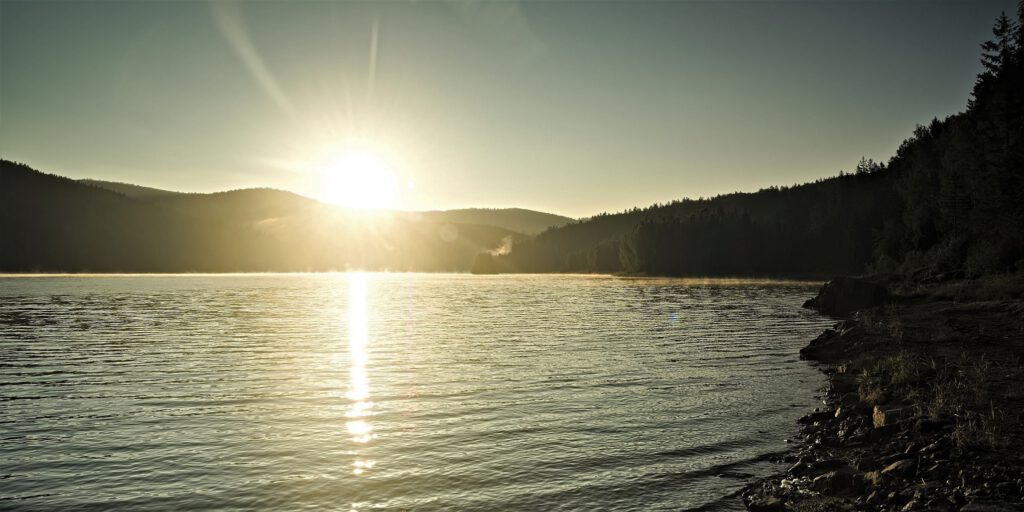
(50, 223)
(256, 203)
(129, 190)
(529, 222)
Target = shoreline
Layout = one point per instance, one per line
(922, 409)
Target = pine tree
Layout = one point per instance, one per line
(1020, 25)
(1000, 50)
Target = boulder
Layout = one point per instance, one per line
(844, 295)
(826, 347)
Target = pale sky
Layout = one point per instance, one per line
(569, 107)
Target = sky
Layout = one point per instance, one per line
(574, 108)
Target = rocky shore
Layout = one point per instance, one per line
(924, 403)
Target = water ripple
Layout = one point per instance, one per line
(395, 391)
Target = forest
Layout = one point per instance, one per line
(949, 202)
(50, 223)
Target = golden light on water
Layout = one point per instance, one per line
(360, 407)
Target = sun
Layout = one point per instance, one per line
(360, 180)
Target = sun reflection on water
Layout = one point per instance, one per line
(360, 407)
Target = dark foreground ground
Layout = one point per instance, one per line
(923, 408)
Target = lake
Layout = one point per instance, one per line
(375, 391)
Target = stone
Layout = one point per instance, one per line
(825, 347)
(815, 417)
(844, 295)
(864, 463)
(899, 468)
(799, 469)
(897, 498)
(888, 415)
(988, 506)
(766, 504)
(849, 400)
(874, 498)
(939, 505)
(838, 483)
(880, 433)
(874, 478)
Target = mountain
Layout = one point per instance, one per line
(50, 223)
(262, 202)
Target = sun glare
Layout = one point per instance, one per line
(360, 180)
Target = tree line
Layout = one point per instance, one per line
(950, 200)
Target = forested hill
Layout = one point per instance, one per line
(50, 223)
(129, 190)
(818, 228)
(950, 200)
(260, 203)
(520, 220)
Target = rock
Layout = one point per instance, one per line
(864, 463)
(988, 506)
(844, 295)
(874, 478)
(935, 447)
(845, 384)
(927, 426)
(939, 505)
(897, 498)
(767, 504)
(815, 417)
(830, 465)
(838, 483)
(874, 498)
(883, 415)
(800, 469)
(849, 400)
(899, 468)
(880, 433)
(826, 347)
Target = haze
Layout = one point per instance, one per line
(574, 108)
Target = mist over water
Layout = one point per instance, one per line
(396, 391)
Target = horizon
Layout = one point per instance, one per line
(667, 90)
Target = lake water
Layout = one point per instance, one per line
(396, 391)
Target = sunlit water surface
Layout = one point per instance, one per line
(395, 391)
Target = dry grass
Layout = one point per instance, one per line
(957, 389)
(891, 377)
(1004, 287)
